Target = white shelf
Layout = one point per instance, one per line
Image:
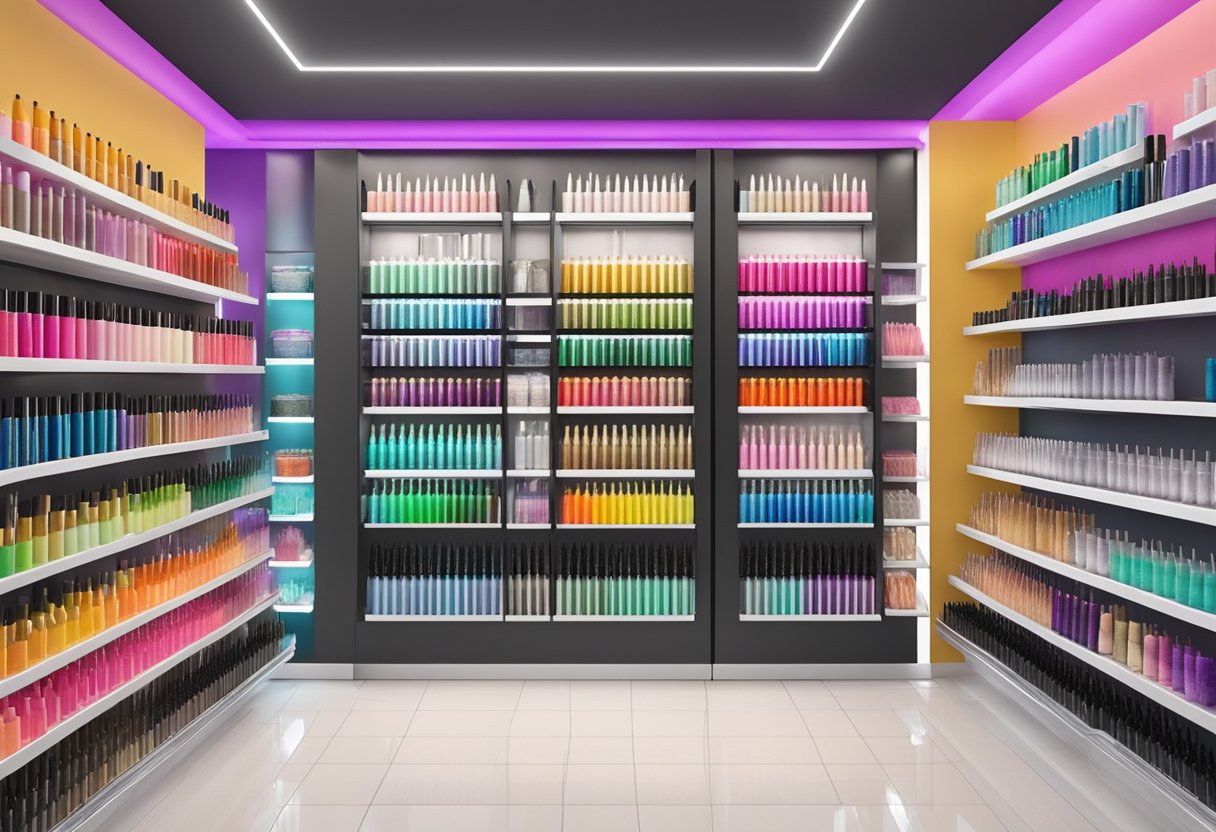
(626, 473)
(523, 473)
(49, 665)
(1125, 314)
(75, 365)
(1087, 176)
(647, 217)
(921, 562)
(431, 411)
(1201, 716)
(903, 300)
(1117, 760)
(432, 217)
(289, 296)
(90, 712)
(1178, 210)
(921, 611)
(300, 609)
(826, 411)
(1172, 608)
(1160, 408)
(432, 525)
(902, 267)
(597, 526)
(1196, 122)
(625, 409)
(83, 463)
(432, 618)
(905, 417)
(896, 361)
(806, 525)
(45, 570)
(524, 301)
(805, 473)
(1151, 505)
(520, 526)
(625, 619)
(289, 362)
(299, 480)
(290, 518)
(28, 250)
(917, 478)
(530, 217)
(436, 473)
(809, 217)
(824, 618)
(895, 522)
(529, 338)
(290, 420)
(292, 564)
(43, 167)
(528, 410)
(521, 619)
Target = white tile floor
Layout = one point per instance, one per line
(619, 756)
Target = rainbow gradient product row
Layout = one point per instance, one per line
(1123, 131)
(662, 274)
(626, 447)
(801, 392)
(33, 710)
(1071, 536)
(803, 313)
(435, 392)
(34, 430)
(38, 325)
(434, 314)
(805, 349)
(623, 391)
(628, 504)
(427, 502)
(806, 579)
(1093, 203)
(45, 527)
(788, 447)
(434, 579)
(803, 273)
(1148, 649)
(633, 313)
(902, 339)
(434, 447)
(84, 153)
(806, 501)
(607, 579)
(471, 194)
(49, 211)
(434, 276)
(624, 351)
(1143, 473)
(647, 195)
(779, 195)
(164, 570)
(95, 756)
(433, 351)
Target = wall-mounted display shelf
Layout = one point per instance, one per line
(625, 410)
(1101, 170)
(1127, 314)
(1195, 123)
(434, 473)
(626, 473)
(810, 411)
(73, 365)
(302, 296)
(822, 619)
(1159, 408)
(921, 610)
(805, 217)
(289, 362)
(432, 218)
(625, 218)
(805, 473)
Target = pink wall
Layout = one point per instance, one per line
(1157, 70)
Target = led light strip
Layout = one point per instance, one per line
(302, 67)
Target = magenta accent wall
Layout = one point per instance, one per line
(1118, 259)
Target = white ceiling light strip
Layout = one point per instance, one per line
(557, 68)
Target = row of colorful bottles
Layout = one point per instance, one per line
(627, 447)
(806, 501)
(624, 391)
(628, 504)
(626, 275)
(430, 447)
(632, 313)
(430, 502)
(810, 273)
(805, 349)
(447, 313)
(624, 351)
(433, 351)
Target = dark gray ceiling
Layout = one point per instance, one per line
(899, 58)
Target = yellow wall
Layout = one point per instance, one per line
(965, 159)
(45, 60)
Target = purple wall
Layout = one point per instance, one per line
(236, 179)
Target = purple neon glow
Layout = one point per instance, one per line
(1071, 41)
